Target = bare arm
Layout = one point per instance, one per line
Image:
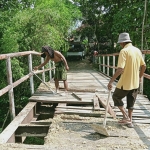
(142, 70)
(118, 72)
(43, 64)
(39, 54)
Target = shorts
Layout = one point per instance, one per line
(119, 94)
(60, 71)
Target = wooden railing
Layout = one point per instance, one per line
(104, 65)
(11, 85)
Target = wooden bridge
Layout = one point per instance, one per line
(64, 122)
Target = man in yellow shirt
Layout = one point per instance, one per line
(131, 67)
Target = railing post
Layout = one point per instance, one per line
(11, 92)
(99, 62)
(142, 82)
(103, 64)
(50, 72)
(53, 66)
(108, 65)
(43, 74)
(31, 78)
(113, 65)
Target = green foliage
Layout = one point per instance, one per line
(9, 42)
(28, 25)
(109, 18)
(124, 20)
(147, 88)
(18, 72)
(147, 60)
(45, 24)
(34, 141)
(147, 81)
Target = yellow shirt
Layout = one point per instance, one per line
(130, 58)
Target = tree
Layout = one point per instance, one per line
(109, 18)
(28, 25)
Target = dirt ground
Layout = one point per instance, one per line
(73, 132)
(76, 133)
(76, 64)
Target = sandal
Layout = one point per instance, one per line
(124, 121)
(130, 125)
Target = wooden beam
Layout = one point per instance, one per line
(103, 103)
(96, 105)
(75, 107)
(5, 56)
(31, 77)
(57, 99)
(76, 96)
(41, 123)
(4, 90)
(78, 112)
(25, 116)
(11, 91)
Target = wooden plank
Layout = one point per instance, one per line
(103, 103)
(136, 105)
(40, 123)
(135, 115)
(77, 111)
(135, 110)
(60, 99)
(48, 93)
(61, 105)
(145, 121)
(58, 96)
(75, 107)
(142, 99)
(87, 114)
(87, 94)
(10, 92)
(5, 56)
(8, 135)
(16, 83)
(147, 107)
(82, 95)
(74, 110)
(76, 96)
(5, 90)
(35, 117)
(96, 105)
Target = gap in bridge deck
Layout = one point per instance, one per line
(35, 132)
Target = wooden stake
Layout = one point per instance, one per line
(76, 96)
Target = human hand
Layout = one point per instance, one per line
(122, 71)
(35, 68)
(140, 80)
(67, 68)
(109, 86)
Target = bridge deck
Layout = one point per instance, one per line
(70, 123)
(73, 117)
